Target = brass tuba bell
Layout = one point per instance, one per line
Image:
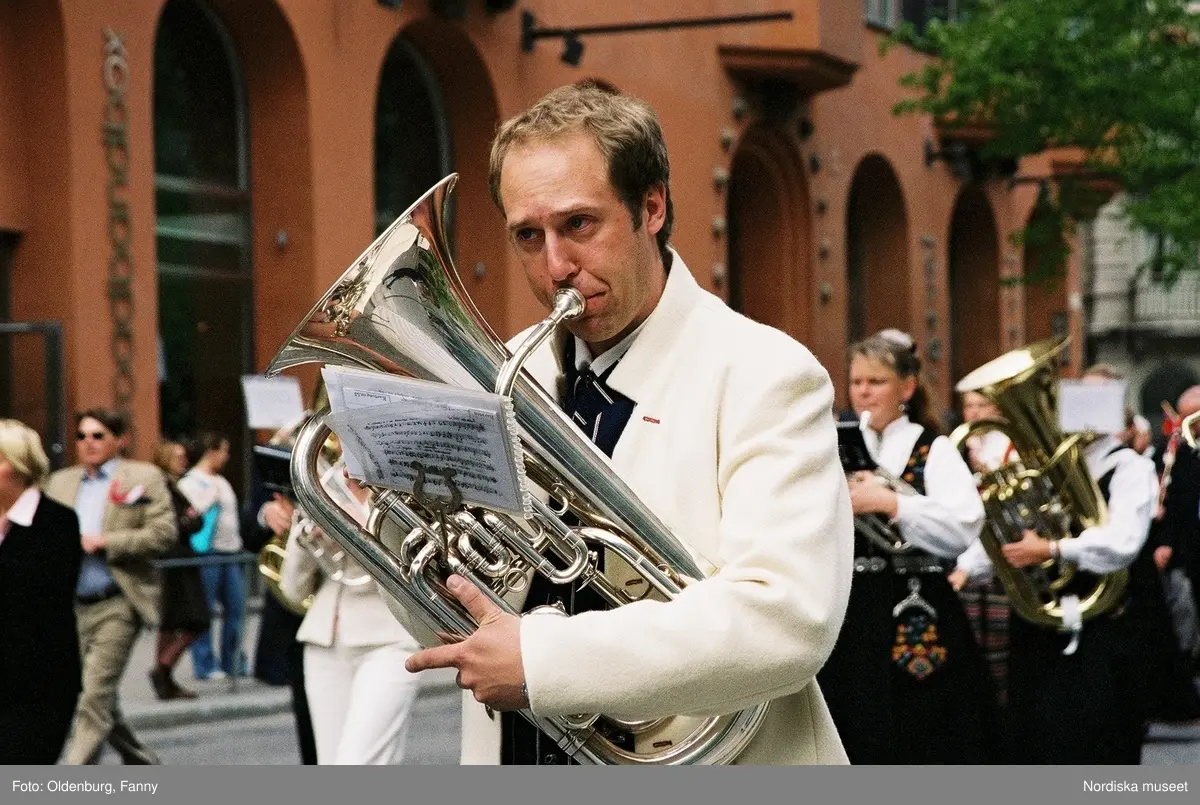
(401, 308)
(1048, 489)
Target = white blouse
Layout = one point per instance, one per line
(1133, 493)
(947, 518)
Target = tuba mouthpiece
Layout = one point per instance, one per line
(568, 304)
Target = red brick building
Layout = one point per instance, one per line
(181, 179)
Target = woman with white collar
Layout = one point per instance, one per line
(906, 683)
(359, 693)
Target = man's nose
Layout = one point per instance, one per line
(560, 260)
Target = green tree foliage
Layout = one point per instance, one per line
(1118, 78)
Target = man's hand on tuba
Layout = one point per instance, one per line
(1031, 550)
(489, 661)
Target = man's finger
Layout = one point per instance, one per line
(479, 605)
(437, 657)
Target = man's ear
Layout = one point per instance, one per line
(654, 208)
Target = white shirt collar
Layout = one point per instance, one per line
(893, 447)
(23, 509)
(600, 365)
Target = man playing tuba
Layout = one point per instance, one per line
(1080, 698)
(720, 424)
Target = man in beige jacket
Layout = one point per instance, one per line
(125, 520)
(721, 425)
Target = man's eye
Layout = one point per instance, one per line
(525, 235)
(577, 222)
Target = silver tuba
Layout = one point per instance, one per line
(402, 308)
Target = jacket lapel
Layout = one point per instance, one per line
(654, 363)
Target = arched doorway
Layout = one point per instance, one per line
(974, 283)
(205, 302)
(464, 119)
(413, 150)
(877, 271)
(769, 248)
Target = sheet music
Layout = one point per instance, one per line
(1098, 407)
(272, 402)
(389, 424)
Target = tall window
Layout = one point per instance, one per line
(412, 133)
(921, 12)
(880, 12)
(203, 227)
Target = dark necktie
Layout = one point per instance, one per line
(601, 413)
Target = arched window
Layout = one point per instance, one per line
(412, 133)
(203, 226)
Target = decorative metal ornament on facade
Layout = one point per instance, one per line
(120, 262)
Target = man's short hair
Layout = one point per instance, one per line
(624, 128)
(114, 421)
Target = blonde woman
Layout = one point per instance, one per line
(359, 694)
(40, 554)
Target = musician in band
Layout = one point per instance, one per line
(721, 425)
(1081, 698)
(360, 697)
(906, 683)
(986, 602)
(1177, 529)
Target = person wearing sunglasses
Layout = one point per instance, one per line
(126, 519)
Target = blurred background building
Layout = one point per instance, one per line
(181, 179)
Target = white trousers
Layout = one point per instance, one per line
(360, 698)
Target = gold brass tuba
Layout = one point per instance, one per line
(1048, 489)
(401, 308)
(328, 554)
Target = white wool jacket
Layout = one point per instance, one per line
(732, 444)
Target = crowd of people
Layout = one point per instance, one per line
(862, 648)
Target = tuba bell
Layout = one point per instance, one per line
(1048, 488)
(401, 308)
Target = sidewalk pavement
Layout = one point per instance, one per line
(219, 700)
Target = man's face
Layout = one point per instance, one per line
(569, 228)
(95, 444)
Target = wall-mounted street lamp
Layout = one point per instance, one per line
(573, 47)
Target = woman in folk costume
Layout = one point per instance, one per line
(906, 683)
(986, 602)
(359, 694)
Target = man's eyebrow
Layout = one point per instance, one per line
(580, 208)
